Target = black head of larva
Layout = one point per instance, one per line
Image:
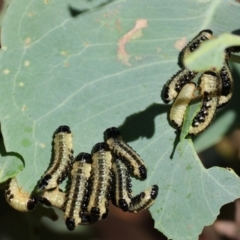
(206, 31)
(143, 172)
(123, 204)
(63, 129)
(70, 223)
(154, 191)
(112, 132)
(102, 146)
(84, 157)
(32, 202)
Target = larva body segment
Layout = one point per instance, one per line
(63, 159)
(17, 198)
(77, 197)
(100, 182)
(122, 182)
(176, 83)
(226, 78)
(194, 44)
(119, 148)
(210, 92)
(54, 198)
(144, 200)
(180, 104)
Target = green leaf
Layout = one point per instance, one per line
(210, 55)
(64, 65)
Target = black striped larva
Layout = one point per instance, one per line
(100, 182)
(122, 184)
(77, 197)
(144, 200)
(180, 104)
(226, 78)
(176, 83)
(196, 41)
(63, 159)
(119, 148)
(210, 92)
(17, 198)
(55, 198)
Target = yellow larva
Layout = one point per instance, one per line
(119, 148)
(55, 198)
(63, 159)
(77, 197)
(210, 92)
(122, 185)
(226, 85)
(144, 200)
(176, 83)
(17, 198)
(180, 104)
(100, 182)
(204, 35)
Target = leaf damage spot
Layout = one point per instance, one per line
(134, 33)
(28, 41)
(64, 53)
(180, 44)
(24, 108)
(30, 14)
(6, 71)
(42, 145)
(26, 63)
(21, 84)
(4, 48)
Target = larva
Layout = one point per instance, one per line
(75, 206)
(226, 85)
(144, 200)
(180, 104)
(176, 83)
(118, 147)
(18, 199)
(210, 91)
(63, 159)
(196, 41)
(54, 197)
(100, 182)
(122, 182)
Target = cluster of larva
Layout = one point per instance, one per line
(215, 89)
(95, 179)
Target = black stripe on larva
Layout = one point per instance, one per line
(100, 182)
(77, 197)
(196, 41)
(210, 91)
(119, 148)
(122, 182)
(226, 85)
(176, 83)
(62, 162)
(32, 202)
(144, 200)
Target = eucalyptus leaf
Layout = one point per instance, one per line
(93, 65)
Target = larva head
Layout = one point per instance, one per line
(63, 129)
(112, 132)
(84, 157)
(143, 172)
(99, 147)
(154, 192)
(70, 223)
(32, 202)
(206, 32)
